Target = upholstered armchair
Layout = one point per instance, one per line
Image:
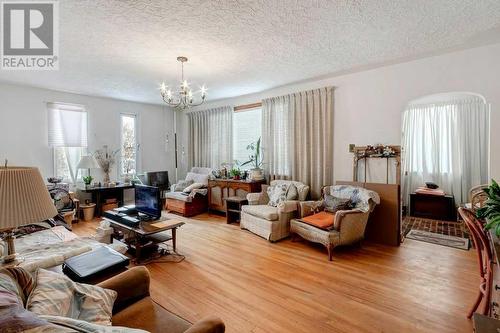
(193, 202)
(271, 223)
(348, 226)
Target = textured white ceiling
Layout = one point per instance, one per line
(123, 49)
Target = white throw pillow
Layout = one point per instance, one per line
(197, 178)
(56, 295)
(193, 186)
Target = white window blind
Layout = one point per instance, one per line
(247, 128)
(67, 125)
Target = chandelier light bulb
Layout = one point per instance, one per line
(184, 98)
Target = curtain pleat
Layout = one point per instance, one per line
(297, 137)
(446, 143)
(211, 137)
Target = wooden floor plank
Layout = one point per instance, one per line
(257, 286)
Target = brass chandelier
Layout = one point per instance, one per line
(184, 97)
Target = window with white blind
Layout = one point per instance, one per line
(128, 155)
(68, 138)
(247, 128)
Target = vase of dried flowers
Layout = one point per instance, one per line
(106, 159)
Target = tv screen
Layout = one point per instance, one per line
(147, 200)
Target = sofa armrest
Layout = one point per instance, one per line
(131, 286)
(288, 206)
(253, 198)
(307, 208)
(207, 325)
(351, 224)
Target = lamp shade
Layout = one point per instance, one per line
(87, 162)
(24, 197)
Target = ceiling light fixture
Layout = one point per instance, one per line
(184, 97)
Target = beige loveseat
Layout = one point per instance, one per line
(349, 225)
(272, 223)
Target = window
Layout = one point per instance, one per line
(68, 138)
(247, 128)
(128, 156)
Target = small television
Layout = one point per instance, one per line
(147, 200)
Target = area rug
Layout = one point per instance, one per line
(445, 240)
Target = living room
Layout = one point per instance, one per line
(249, 167)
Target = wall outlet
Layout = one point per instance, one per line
(351, 147)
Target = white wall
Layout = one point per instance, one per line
(369, 104)
(23, 128)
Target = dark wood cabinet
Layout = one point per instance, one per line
(220, 189)
(433, 207)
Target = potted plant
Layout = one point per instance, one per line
(235, 173)
(87, 180)
(255, 160)
(491, 210)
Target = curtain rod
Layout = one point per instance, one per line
(247, 106)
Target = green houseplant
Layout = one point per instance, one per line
(255, 160)
(87, 180)
(491, 209)
(235, 173)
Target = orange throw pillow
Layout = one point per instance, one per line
(322, 220)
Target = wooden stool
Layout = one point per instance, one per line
(233, 208)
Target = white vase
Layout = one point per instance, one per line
(256, 174)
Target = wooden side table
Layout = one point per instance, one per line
(233, 208)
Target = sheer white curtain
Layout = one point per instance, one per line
(210, 137)
(297, 137)
(446, 143)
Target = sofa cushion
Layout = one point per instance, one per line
(266, 212)
(277, 194)
(148, 315)
(55, 294)
(181, 185)
(292, 193)
(322, 220)
(193, 186)
(178, 196)
(302, 189)
(197, 178)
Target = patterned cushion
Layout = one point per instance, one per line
(277, 194)
(56, 295)
(333, 204)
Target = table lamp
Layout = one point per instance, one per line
(24, 199)
(87, 162)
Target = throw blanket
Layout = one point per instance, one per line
(359, 196)
(201, 191)
(48, 248)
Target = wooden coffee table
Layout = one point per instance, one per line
(148, 233)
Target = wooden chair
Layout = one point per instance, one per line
(485, 258)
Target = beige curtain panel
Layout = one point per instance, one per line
(211, 137)
(297, 137)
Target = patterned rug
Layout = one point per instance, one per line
(439, 239)
(444, 228)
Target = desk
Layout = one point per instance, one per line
(220, 189)
(147, 233)
(100, 194)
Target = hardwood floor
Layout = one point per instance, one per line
(256, 286)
